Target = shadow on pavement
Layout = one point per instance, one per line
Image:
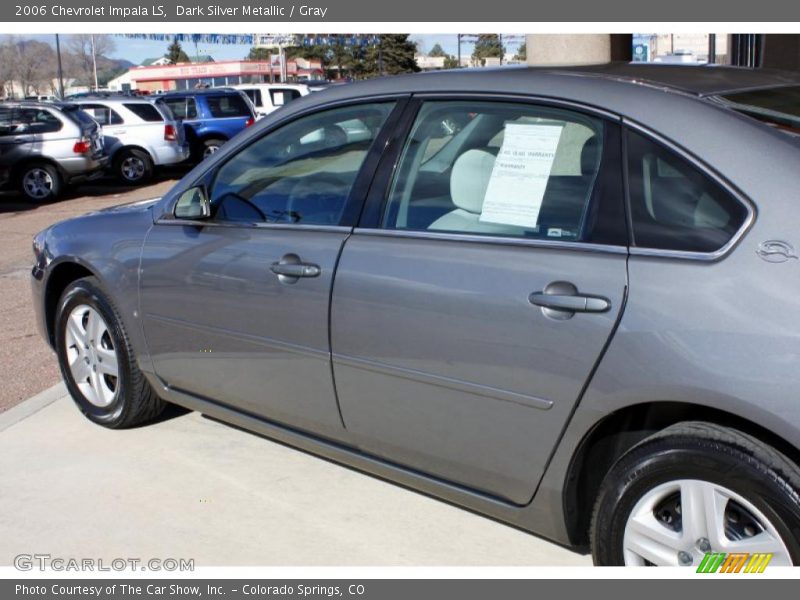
(12, 201)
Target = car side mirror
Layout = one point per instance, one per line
(193, 204)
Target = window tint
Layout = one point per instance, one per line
(36, 120)
(146, 112)
(231, 105)
(182, 108)
(301, 173)
(779, 107)
(283, 96)
(497, 168)
(6, 120)
(673, 205)
(255, 96)
(102, 114)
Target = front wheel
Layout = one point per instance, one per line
(694, 489)
(211, 146)
(133, 167)
(97, 361)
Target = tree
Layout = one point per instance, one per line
(451, 62)
(258, 53)
(437, 51)
(487, 46)
(522, 52)
(7, 68)
(392, 55)
(33, 66)
(80, 62)
(175, 53)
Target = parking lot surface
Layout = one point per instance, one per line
(190, 487)
(27, 365)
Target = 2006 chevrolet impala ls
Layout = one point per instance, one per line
(564, 298)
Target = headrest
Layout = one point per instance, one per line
(470, 178)
(589, 154)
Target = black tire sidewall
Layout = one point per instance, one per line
(648, 467)
(208, 143)
(56, 190)
(143, 156)
(84, 292)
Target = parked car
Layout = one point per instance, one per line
(139, 135)
(210, 116)
(268, 97)
(563, 298)
(45, 146)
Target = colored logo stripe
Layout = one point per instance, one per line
(735, 562)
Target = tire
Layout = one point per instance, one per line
(646, 509)
(133, 167)
(40, 182)
(113, 398)
(210, 146)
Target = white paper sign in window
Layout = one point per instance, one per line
(520, 174)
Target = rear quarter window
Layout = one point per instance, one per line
(232, 105)
(674, 205)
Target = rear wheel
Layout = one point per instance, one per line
(697, 488)
(97, 361)
(212, 145)
(40, 182)
(133, 167)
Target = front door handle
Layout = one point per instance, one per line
(560, 300)
(290, 269)
(295, 270)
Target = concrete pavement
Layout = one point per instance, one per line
(189, 487)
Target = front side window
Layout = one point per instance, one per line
(302, 173)
(497, 168)
(182, 108)
(674, 206)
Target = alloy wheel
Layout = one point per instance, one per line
(38, 183)
(132, 168)
(91, 356)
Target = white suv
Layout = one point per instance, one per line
(138, 135)
(269, 97)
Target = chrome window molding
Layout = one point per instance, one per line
(712, 174)
(492, 240)
(239, 225)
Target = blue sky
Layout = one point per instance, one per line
(138, 50)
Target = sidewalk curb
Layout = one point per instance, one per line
(31, 406)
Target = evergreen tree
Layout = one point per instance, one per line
(175, 53)
(393, 54)
(522, 52)
(487, 46)
(437, 51)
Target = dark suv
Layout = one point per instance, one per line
(210, 117)
(45, 146)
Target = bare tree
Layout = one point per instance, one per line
(33, 65)
(80, 54)
(6, 67)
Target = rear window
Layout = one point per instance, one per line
(232, 105)
(76, 114)
(779, 107)
(145, 111)
(283, 96)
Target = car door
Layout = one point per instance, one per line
(475, 298)
(235, 307)
(16, 141)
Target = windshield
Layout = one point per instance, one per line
(779, 107)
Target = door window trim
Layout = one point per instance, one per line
(370, 221)
(358, 191)
(709, 172)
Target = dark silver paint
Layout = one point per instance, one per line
(426, 389)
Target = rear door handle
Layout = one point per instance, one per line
(295, 269)
(570, 302)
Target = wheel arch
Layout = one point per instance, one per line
(132, 147)
(61, 275)
(34, 160)
(609, 438)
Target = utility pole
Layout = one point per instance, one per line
(459, 50)
(94, 64)
(60, 70)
